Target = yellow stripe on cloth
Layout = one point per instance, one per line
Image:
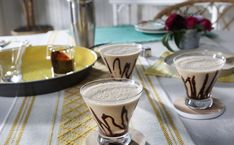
(165, 115)
(15, 123)
(156, 111)
(25, 121)
(161, 69)
(227, 79)
(76, 121)
(20, 122)
(53, 121)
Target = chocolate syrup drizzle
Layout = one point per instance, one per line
(105, 126)
(203, 93)
(126, 72)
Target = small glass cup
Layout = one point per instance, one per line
(120, 59)
(11, 61)
(62, 59)
(112, 103)
(199, 72)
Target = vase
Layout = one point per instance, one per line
(190, 39)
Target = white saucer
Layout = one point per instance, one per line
(137, 138)
(152, 31)
(152, 27)
(216, 110)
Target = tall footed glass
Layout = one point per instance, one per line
(112, 103)
(199, 72)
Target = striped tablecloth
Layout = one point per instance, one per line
(63, 118)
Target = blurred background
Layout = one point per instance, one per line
(108, 12)
(56, 13)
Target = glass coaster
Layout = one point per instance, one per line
(215, 110)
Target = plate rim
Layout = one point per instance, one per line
(152, 32)
(138, 25)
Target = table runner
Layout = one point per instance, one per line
(76, 122)
(123, 34)
(63, 118)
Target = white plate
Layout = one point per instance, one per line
(151, 32)
(152, 27)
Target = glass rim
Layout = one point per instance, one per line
(15, 45)
(110, 80)
(214, 54)
(53, 48)
(139, 46)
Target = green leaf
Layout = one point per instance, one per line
(165, 40)
(210, 35)
(178, 36)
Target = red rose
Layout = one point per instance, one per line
(175, 22)
(191, 22)
(206, 24)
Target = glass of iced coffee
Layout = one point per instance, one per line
(112, 102)
(199, 72)
(120, 58)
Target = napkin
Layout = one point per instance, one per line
(123, 34)
(161, 69)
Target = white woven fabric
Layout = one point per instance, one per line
(36, 119)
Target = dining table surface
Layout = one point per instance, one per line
(62, 117)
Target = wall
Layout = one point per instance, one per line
(10, 15)
(56, 13)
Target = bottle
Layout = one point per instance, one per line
(83, 21)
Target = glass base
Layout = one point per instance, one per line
(12, 78)
(121, 140)
(199, 104)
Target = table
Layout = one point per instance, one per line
(206, 132)
(37, 119)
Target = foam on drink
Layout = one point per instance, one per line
(112, 92)
(199, 63)
(112, 103)
(120, 59)
(121, 50)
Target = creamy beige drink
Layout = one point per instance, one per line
(121, 59)
(112, 103)
(199, 73)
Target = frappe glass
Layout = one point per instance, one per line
(199, 72)
(120, 59)
(112, 103)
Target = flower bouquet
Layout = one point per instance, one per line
(185, 30)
